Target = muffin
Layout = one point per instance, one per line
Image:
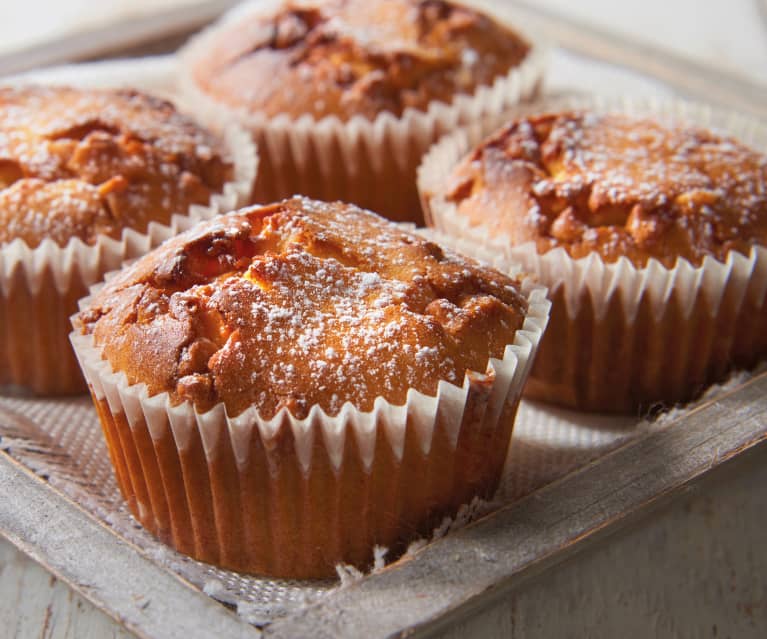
(284, 387)
(648, 228)
(344, 96)
(86, 179)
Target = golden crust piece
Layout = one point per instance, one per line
(617, 186)
(84, 163)
(356, 57)
(301, 303)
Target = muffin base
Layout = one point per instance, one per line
(610, 361)
(40, 287)
(35, 352)
(271, 518)
(621, 338)
(371, 163)
(293, 498)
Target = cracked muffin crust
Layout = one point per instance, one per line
(85, 163)
(615, 185)
(253, 379)
(677, 215)
(356, 57)
(301, 303)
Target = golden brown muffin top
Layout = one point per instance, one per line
(301, 303)
(615, 185)
(355, 57)
(84, 163)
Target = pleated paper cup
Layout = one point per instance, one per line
(294, 497)
(39, 287)
(624, 338)
(371, 163)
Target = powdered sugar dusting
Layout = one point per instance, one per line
(81, 163)
(356, 57)
(617, 185)
(308, 303)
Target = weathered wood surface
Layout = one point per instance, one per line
(693, 569)
(447, 579)
(586, 594)
(36, 604)
(694, 79)
(121, 25)
(727, 36)
(103, 569)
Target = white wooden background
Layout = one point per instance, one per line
(32, 22)
(727, 34)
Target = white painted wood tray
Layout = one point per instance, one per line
(571, 479)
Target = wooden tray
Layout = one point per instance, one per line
(451, 578)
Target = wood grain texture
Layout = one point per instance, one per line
(110, 573)
(691, 78)
(565, 592)
(137, 32)
(449, 578)
(694, 569)
(727, 36)
(762, 8)
(33, 603)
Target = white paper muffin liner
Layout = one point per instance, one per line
(371, 163)
(294, 497)
(623, 338)
(39, 287)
